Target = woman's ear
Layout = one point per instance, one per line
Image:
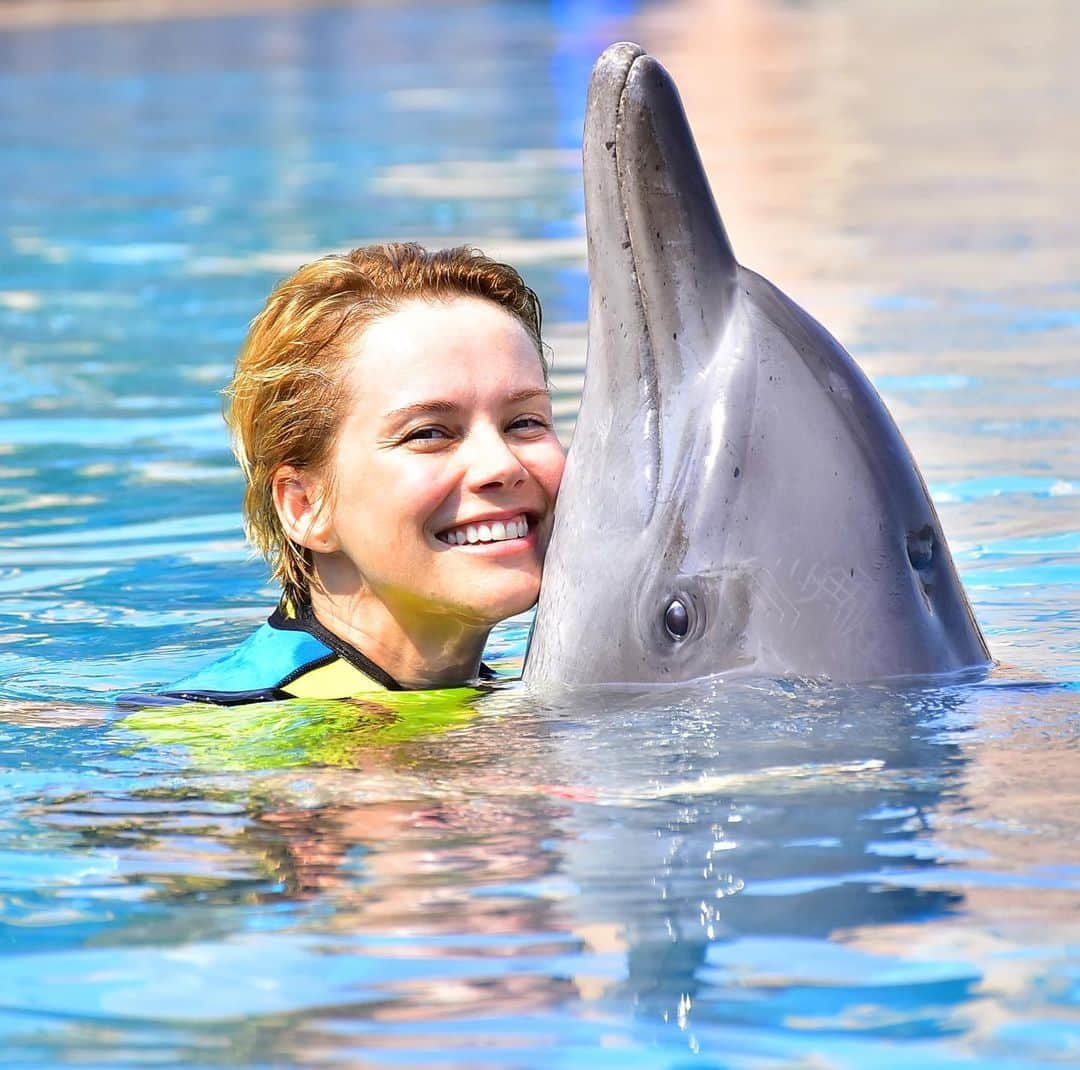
(300, 502)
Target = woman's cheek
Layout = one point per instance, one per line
(424, 487)
(552, 465)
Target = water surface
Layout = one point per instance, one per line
(753, 875)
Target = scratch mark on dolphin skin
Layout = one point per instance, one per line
(815, 586)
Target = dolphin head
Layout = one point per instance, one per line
(737, 499)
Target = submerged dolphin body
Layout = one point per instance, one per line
(737, 498)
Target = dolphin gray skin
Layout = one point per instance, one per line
(737, 499)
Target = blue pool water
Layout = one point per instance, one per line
(770, 874)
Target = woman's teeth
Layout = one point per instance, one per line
(492, 531)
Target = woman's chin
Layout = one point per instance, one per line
(499, 603)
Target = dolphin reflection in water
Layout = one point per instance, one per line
(737, 498)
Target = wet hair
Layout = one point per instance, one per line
(288, 396)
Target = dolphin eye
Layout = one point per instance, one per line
(676, 620)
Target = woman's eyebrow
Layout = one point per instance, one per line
(441, 408)
(526, 395)
(420, 408)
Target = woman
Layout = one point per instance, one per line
(391, 414)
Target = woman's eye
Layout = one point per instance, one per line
(426, 434)
(528, 423)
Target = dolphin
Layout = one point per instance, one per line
(737, 499)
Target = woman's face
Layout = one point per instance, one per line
(446, 466)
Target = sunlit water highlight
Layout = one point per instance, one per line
(757, 875)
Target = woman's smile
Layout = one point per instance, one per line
(484, 531)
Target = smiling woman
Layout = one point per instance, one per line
(390, 411)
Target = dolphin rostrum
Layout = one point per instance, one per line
(737, 498)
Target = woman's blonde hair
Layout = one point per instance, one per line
(287, 398)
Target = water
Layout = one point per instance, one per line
(761, 875)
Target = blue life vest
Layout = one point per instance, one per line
(291, 656)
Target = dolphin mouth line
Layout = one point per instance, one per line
(648, 352)
(616, 158)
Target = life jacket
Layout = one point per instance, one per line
(290, 656)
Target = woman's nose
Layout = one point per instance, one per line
(492, 462)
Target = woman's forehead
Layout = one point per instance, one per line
(459, 352)
(423, 323)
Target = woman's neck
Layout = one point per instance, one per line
(438, 651)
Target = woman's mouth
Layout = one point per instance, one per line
(486, 531)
